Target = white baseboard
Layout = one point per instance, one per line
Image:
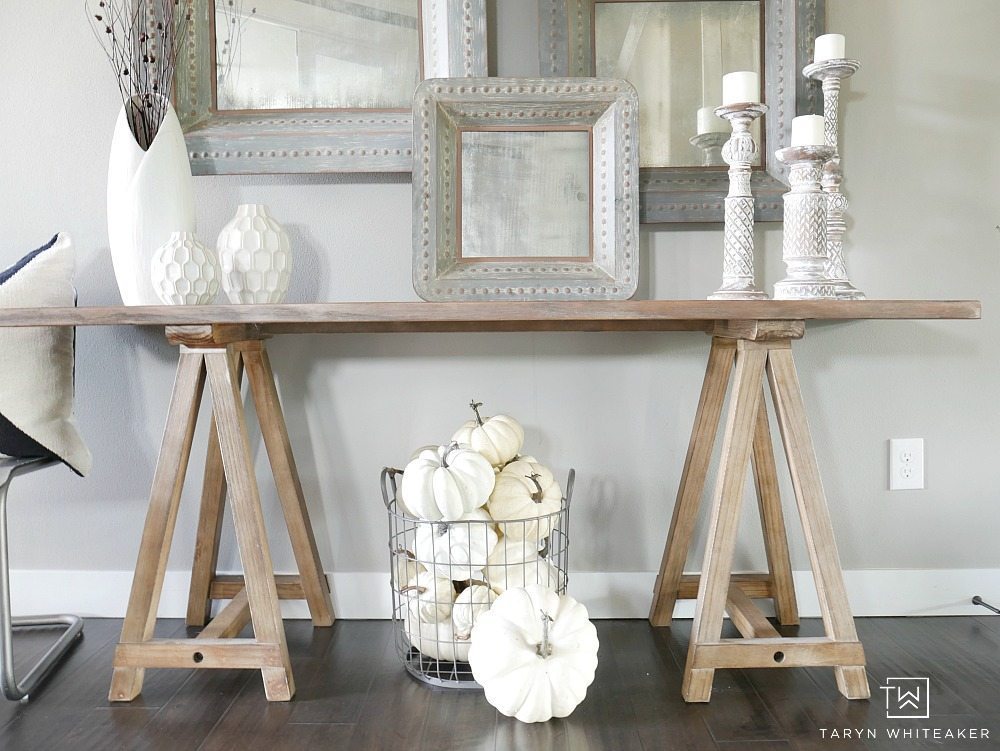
(885, 592)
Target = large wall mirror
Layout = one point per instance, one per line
(675, 53)
(315, 85)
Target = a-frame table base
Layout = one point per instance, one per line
(753, 350)
(220, 354)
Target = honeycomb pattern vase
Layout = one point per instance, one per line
(184, 272)
(255, 256)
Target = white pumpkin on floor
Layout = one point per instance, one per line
(524, 490)
(458, 552)
(516, 563)
(435, 640)
(534, 653)
(429, 598)
(498, 438)
(471, 603)
(446, 482)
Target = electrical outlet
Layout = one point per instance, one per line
(906, 463)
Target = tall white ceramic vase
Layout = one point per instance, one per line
(255, 255)
(150, 196)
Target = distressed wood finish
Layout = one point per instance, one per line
(696, 194)
(254, 597)
(736, 316)
(445, 108)
(453, 40)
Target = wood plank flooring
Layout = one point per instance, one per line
(353, 694)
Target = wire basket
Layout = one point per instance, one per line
(444, 575)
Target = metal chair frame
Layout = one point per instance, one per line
(11, 687)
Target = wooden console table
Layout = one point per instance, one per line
(751, 339)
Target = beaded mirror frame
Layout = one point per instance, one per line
(445, 109)
(696, 194)
(452, 43)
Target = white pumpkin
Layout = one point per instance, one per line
(525, 489)
(516, 563)
(534, 653)
(436, 640)
(446, 482)
(457, 551)
(469, 605)
(497, 438)
(404, 567)
(428, 597)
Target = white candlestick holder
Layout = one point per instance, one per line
(740, 153)
(711, 148)
(831, 73)
(804, 241)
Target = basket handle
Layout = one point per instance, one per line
(570, 482)
(388, 480)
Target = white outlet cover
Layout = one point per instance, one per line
(906, 464)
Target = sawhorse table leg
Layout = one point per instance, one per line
(751, 350)
(217, 354)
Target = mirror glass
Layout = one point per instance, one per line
(675, 54)
(315, 54)
(525, 194)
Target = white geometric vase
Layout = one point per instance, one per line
(185, 272)
(150, 196)
(255, 255)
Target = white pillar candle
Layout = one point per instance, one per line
(740, 87)
(809, 130)
(829, 47)
(709, 122)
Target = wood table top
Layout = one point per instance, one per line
(378, 317)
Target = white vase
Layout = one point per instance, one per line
(150, 196)
(185, 272)
(255, 256)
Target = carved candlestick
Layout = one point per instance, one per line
(804, 241)
(831, 73)
(740, 152)
(711, 148)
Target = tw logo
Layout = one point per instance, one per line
(907, 698)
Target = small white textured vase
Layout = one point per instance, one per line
(150, 195)
(185, 272)
(255, 256)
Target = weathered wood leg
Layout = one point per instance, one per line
(251, 534)
(286, 477)
(168, 481)
(692, 484)
(713, 588)
(772, 521)
(816, 523)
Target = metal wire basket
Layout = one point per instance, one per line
(445, 574)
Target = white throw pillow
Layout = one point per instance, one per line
(36, 363)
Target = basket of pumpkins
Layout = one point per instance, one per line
(468, 521)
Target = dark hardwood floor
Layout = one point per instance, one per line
(353, 694)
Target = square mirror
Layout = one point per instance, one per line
(525, 189)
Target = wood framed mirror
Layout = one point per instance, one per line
(675, 53)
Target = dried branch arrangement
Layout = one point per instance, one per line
(142, 39)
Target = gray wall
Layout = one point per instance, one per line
(921, 156)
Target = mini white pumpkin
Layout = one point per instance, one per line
(525, 489)
(497, 438)
(446, 482)
(428, 597)
(534, 653)
(405, 567)
(457, 551)
(436, 640)
(516, 563)
(469, 605)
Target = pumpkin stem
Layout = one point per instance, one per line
(545, 649)
(475, 408)
(453, 446)
(536, 495)
(413, 587)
